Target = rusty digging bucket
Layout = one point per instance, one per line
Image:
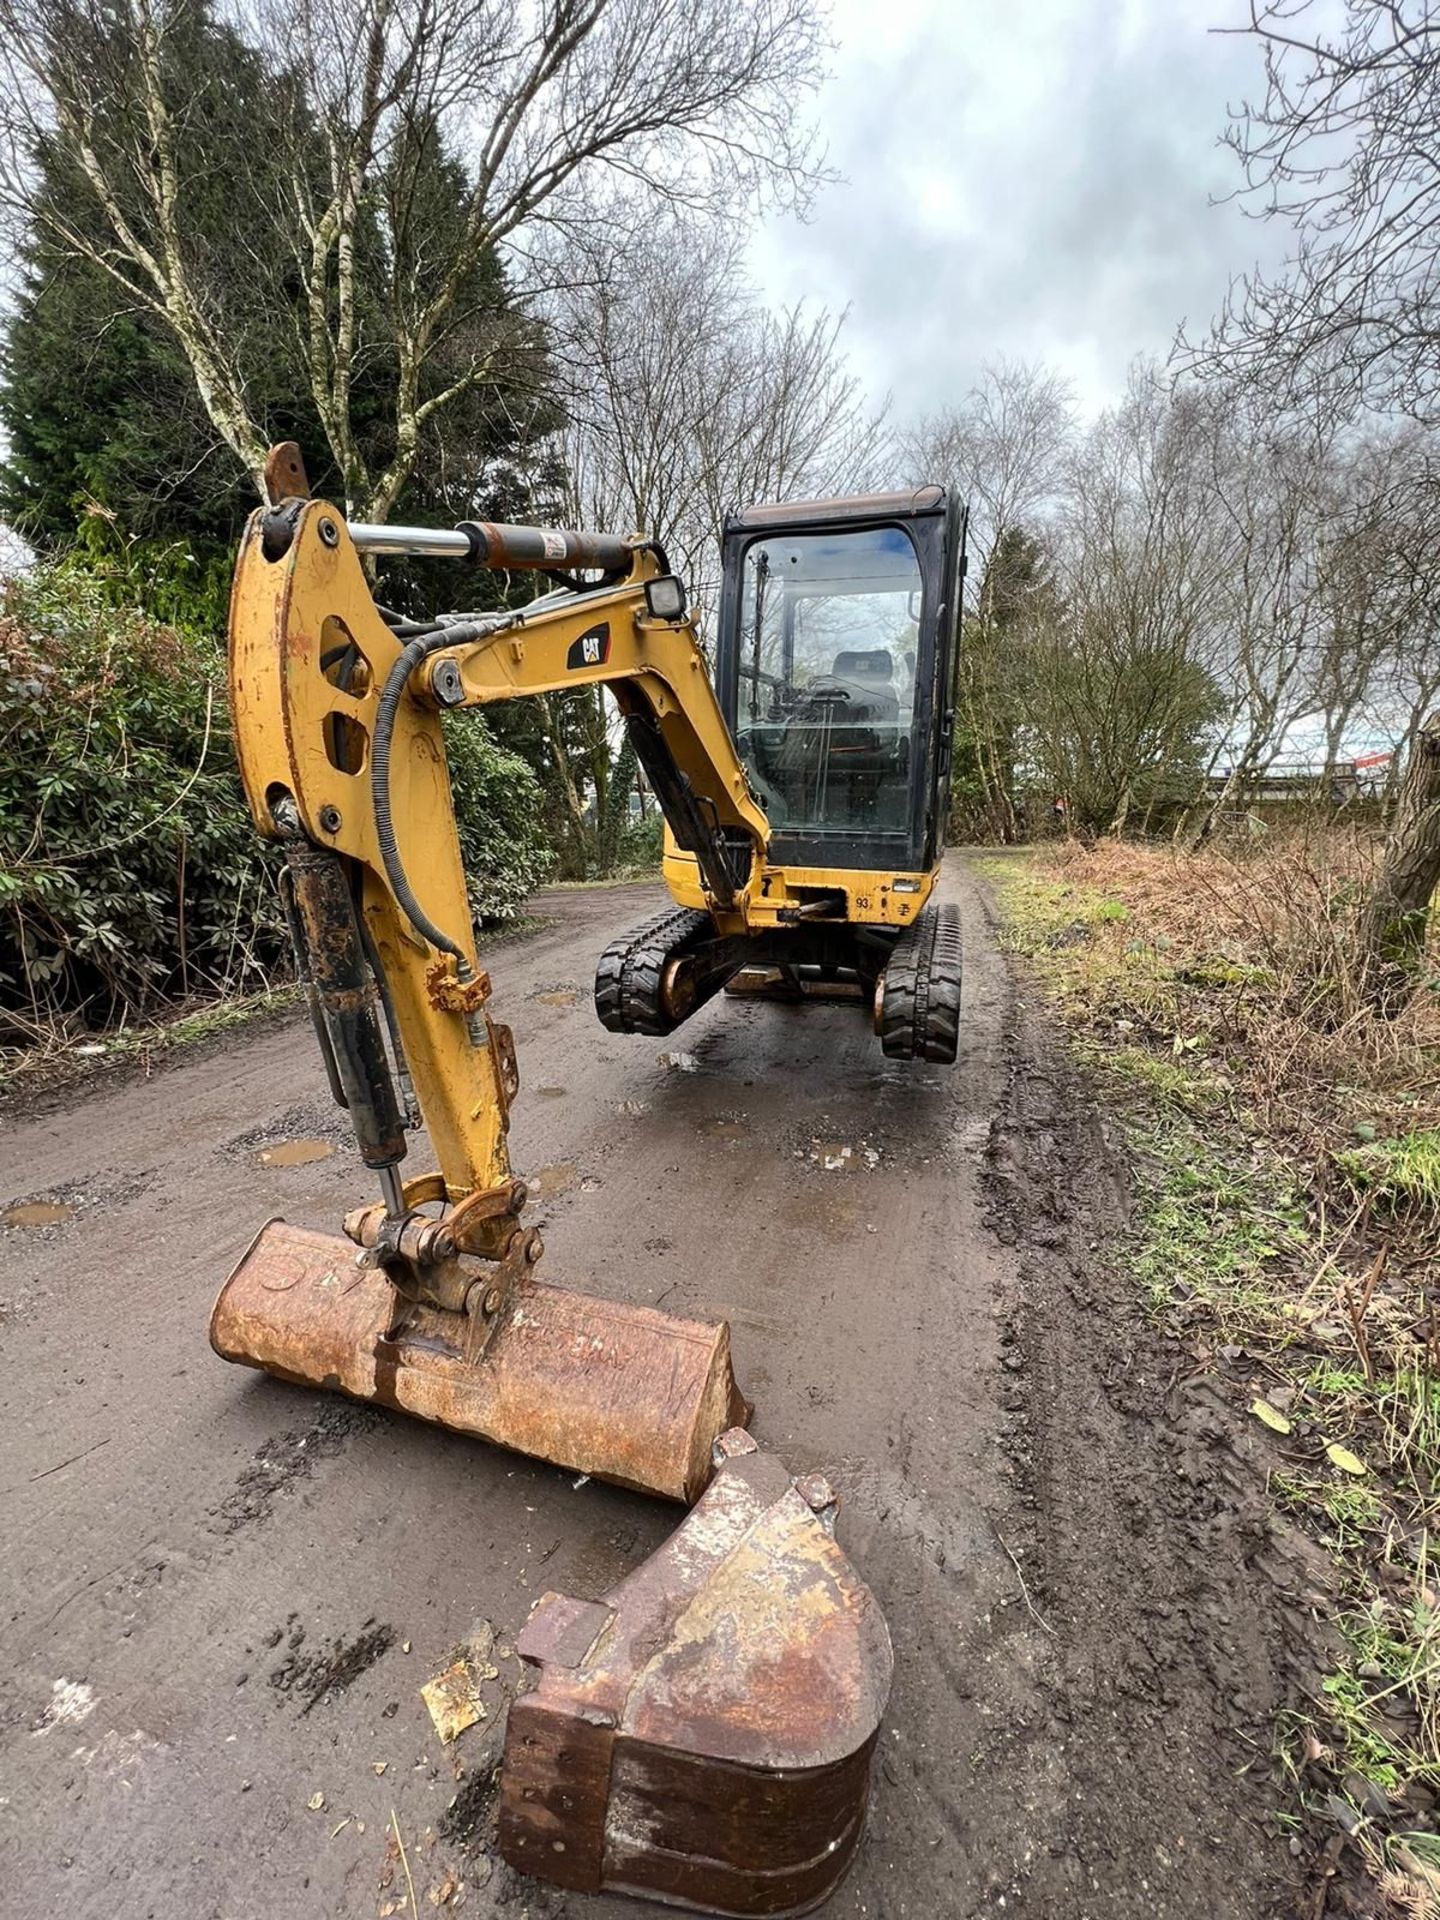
(703, 1734)
(621, 1392)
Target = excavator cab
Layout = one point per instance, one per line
(833, 665)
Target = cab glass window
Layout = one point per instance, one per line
(829, 627)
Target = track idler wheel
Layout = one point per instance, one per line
(651, 980)
(703, 1734)
(634, 972)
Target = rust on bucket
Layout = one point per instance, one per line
(703, 1733)
(618, 1391)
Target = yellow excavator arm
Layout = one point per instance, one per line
(337, 714)
(337, 717)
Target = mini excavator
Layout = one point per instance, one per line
(833, 673)
(804, 792)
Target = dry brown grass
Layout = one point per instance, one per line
(1263, 942)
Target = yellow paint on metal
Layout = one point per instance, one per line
(285, 616)
(298, 733)
(661, 658)
(871, 899)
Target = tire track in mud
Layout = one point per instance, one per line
(1181, 1611)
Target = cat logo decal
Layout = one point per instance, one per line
(592, 649)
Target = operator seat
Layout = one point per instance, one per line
(867, 745)
(869, 678)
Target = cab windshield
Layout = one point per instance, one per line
(829, 629)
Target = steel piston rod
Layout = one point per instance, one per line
(436, 542)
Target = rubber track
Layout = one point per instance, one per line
(631, 969)
(920, 1019)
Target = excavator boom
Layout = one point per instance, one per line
(338, 727)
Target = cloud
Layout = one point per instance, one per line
(1033, 178)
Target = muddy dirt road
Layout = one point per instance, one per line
(220, 1596)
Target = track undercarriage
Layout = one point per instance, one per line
(653, 978)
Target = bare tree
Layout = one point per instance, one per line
(1263, 475)
(407, 141)
(1342, 146)
(1124, 684)
(1405, 686)
(1378, 575)
(1005, 447)
(1394, 923)
(687, 399)
(1204, 580)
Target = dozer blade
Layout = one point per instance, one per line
(621, 1392)
(703, 1734)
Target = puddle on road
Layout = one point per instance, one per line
(73, 1200)
(36, 1213)
(557, 1178)
(557, 997)
(295, 1153)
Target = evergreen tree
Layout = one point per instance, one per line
(109, 448)
(110, 451)
(1015, 589)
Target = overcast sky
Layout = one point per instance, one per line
(1026, 177)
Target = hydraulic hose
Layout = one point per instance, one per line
(391, 695)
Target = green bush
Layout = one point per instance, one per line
(129, 872)
(131, 877)
(499, 809)
(641, 845)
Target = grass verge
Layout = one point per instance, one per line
(37, 1071)
(32, 1072)
(1286, 1149)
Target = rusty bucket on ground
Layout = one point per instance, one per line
(618, 1391)
(703, 1734)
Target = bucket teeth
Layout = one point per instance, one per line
(703, 1734)
(621, 1392)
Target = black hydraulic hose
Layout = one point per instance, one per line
(414, 629)
(391, 694)
(402, 626)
